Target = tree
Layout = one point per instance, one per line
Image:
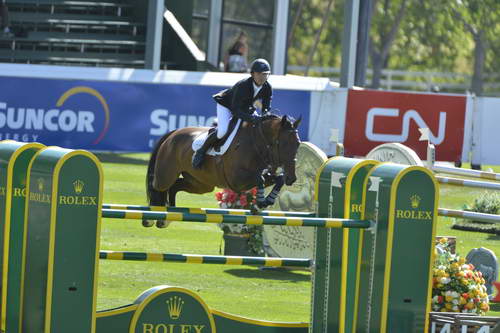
(479, 18)
(386, 21)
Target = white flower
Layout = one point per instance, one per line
(455, 301)
(444, 280)
(454, 294)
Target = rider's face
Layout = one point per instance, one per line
(260, 78)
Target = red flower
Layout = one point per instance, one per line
(218, 196)
(231, 197)
(243, 200)
(440, 299)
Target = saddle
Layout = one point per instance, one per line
(217, 146)
(223, 144)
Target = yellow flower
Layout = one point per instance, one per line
(461, 261)
(485, 307)
(462, 300)
(443, 240)
(448, 306)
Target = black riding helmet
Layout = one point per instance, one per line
(260, 66)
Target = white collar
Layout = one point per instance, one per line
(256, 88)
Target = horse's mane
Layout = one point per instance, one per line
(273, 116)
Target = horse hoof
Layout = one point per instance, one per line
(162, 223)
(254, 209)
(147, 223)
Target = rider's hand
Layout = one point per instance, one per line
(255, 118)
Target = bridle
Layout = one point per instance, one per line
(271, 156)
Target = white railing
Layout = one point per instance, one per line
(413, 80)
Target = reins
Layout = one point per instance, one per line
(270, 148)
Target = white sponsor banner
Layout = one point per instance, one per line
(327, 119)
(486, 135)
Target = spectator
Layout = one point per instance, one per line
(4, 20)
(236, 60)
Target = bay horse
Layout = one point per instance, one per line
(251, 160)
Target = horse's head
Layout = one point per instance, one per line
(285, 143)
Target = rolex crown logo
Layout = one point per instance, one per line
(174, 304)
(78, 185)
(40, 183)
(415, 201)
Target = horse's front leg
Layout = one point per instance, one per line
(262, 180)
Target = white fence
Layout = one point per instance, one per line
(408, 80)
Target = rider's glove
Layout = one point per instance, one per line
(255, 118)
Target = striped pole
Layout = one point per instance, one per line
(236, 219)
(469, 215)
(468, 183)
(465, 172)
(207, 210)
(200, 259)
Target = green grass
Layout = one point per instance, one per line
(243, 290)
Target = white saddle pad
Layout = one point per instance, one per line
(200, 139)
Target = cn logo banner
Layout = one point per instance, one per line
(376, 117)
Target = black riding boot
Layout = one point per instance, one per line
(199, 155)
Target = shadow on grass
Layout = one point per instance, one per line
(493, 237)
(270, 274)
(119, 159)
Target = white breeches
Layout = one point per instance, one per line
(224, 116)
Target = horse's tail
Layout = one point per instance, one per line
(150, 191)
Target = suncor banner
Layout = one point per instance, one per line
(114, 116)
(377, 117)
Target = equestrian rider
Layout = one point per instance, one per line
(239, 101)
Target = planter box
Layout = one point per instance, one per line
(237, 245)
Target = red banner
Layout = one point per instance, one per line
(376, 117)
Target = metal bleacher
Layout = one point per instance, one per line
(84, 33)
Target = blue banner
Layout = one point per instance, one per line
(114, 116)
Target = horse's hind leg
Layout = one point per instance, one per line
(156, 198)
(188, 184)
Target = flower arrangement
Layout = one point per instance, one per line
(229, 199)
(457, 287)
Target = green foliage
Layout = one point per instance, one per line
(487, 202)
(430, 37)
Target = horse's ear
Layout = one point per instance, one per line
(296, 123)
(284, 121)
